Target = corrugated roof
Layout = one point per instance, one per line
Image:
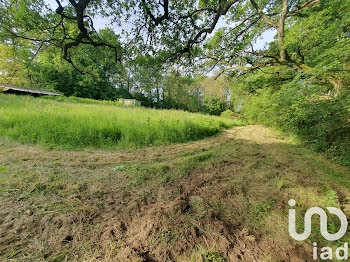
(25, 90)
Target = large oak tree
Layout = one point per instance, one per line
(171, 30)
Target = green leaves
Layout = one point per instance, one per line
(208, 3)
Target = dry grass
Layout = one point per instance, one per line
(219, 199)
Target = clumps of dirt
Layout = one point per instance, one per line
(175, 229)
(165, 232)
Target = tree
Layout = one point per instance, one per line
(170, 29)
(15, 59)
(213, 106)
(216, 87)
(180, 93)
(104, 79)
(304, 29)
(311, 38)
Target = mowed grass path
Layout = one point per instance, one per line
(219, 199)
(66, 125)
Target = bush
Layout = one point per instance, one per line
(230, 114)
(322, 123)
(213, 106)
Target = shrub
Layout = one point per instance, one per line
(213, 106)
(230, 114)
(321, 122)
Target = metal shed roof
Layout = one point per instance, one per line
(25, 90)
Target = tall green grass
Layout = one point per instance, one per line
(73, 99)
(66, 125)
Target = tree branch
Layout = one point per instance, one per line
(305, 5)
(157, 20)
(223, 8)
(263, 15)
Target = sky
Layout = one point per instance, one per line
(102, 22)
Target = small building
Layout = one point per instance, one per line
(130, 102)
(25, 91)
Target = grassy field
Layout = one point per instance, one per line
(70, 124)
(220, 199)
(74, 99)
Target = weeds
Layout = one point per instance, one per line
(72, 125)
(208, 255)
(331, 195)
(261, 210)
